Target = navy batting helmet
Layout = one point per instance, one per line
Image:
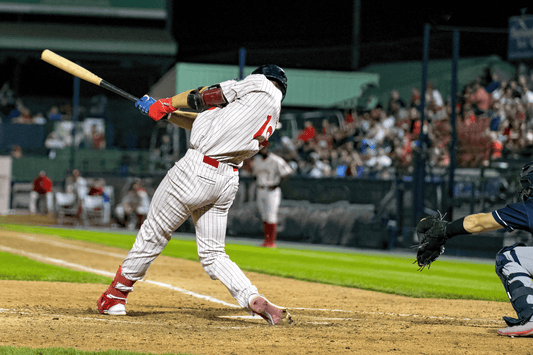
(526, 180)
(273, 72)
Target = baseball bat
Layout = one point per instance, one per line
(82, 73)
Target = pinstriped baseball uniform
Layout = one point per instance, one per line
(269, 172)
(204, 182)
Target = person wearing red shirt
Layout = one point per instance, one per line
(42, 188)
(308, 133)
(480, 98)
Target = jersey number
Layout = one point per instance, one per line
(263, 128)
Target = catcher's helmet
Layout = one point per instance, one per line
(526, 180)
(273, 72)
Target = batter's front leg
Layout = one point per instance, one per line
(165, 215)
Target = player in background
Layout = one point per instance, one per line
(234, 119)
(514, 264)
(42, 187)
(269, 170)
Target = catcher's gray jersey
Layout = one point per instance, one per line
(204, 182)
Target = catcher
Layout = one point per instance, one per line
(514, 264)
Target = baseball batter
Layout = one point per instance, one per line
(234, 119)
(514, 264)
(269, 171)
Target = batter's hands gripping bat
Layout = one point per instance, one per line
(82, 73)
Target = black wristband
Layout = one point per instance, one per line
(455, 228)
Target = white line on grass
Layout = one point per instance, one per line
(59, 262)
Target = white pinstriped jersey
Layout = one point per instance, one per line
(271, 170)
(233, 133)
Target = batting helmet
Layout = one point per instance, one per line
(273, 72)
(526, 180)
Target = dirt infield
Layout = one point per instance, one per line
(189, 313)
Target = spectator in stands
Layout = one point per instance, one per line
(395, 103)
(494, 83)
(54, 114)
(355, 159)
(133, 208)
(492, 105)
(325, 134)
(434, 101)
(39, 118)
(53, 141)
(77, 184)
(42, 188)
(415, 98)
(340, 163)
(20, 114)
(377, 163)
(317, 168)
(308, 133)
(97, 138)
(97, 188)
(16, 152)
(98, 205)
(7, 100)
(323, 149)
(287, 150)
(479, 97)
(66, 111)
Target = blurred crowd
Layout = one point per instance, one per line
(14, 110)
(90, 201)
(58, 122)
(493, 121)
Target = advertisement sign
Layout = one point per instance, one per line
(520, 37)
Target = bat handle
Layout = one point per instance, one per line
(119, 91)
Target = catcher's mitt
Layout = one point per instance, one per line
(432, 231)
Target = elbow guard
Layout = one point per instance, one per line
(212, 96)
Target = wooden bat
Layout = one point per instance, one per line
(82, 73)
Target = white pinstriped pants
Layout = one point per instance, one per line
(268, 202)
(192, 187)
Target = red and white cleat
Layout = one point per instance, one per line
(273, 314)
(113, 300)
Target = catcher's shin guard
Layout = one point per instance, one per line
(113, 300)
(517, 283)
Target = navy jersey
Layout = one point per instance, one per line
(516, 216)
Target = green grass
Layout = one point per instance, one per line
(14, 267)
(8, 350)
(369, 271)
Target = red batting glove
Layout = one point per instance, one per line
(160, 109)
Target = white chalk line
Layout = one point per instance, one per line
(63, 263)
(60, 262)
(107, 319)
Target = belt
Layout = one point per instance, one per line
(273, 187)
(213, 162)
